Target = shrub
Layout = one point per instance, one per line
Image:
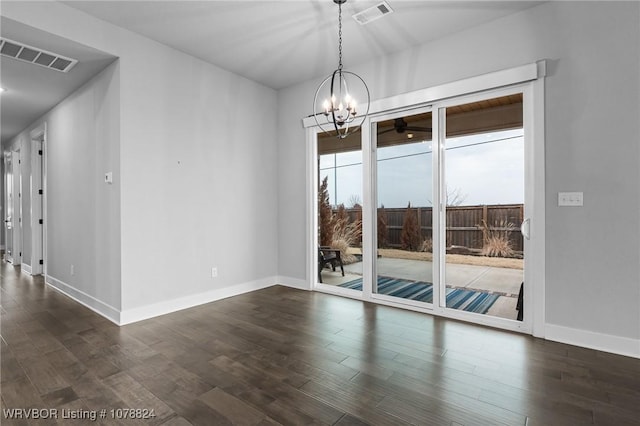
(343, 245)
(325, 214)
(383, 232)
(335, 229)
(427, 245)
(495, 239)
(340, 219)
(358, 210)
(410, 237)
(345, 234)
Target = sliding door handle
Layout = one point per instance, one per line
(525, 228)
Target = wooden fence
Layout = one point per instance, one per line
(462, 223)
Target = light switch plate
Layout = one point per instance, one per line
(108, 177)
(570, 199)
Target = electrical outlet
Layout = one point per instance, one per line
(214, 272)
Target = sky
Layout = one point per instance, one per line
(481, 169)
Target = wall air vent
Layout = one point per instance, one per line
(22, 52)
(373, 13)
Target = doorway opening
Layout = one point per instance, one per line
(13, 205)
(452, 212)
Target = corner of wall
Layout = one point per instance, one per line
(592, 340)
(293, 283)
(109, 312)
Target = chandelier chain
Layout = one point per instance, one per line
(340, 113)
(340, 36)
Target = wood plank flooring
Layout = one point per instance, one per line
(283, 356)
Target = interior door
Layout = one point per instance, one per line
(16, 216)
(8, 219)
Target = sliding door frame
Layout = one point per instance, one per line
(371, 184)
(529, 202)
(312, 222)
(530, 81)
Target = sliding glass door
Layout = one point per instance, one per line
(447, 220)
(427, 207)
(339, 208)
(403, 162)
(483, 193)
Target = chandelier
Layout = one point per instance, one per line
(339, 114)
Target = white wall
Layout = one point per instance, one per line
(592, 133)
(199, 178)
(83, 218)
(2, 211)
(196, 166)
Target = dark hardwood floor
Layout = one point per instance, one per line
(283, 356)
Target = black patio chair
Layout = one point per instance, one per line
(328, 256)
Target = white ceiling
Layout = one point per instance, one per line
(283, 42)
(275, 42)
(32, 90)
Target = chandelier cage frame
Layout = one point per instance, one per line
(340, 114)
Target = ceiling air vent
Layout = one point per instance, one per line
(22, 52)
(373, 13)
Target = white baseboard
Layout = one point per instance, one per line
(99, 307)
(572, 336)
(26, 268)
(589, 339)
(294, 282)
(129, 316)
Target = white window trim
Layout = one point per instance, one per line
(493, 80)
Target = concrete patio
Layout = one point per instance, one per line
(503, 281)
